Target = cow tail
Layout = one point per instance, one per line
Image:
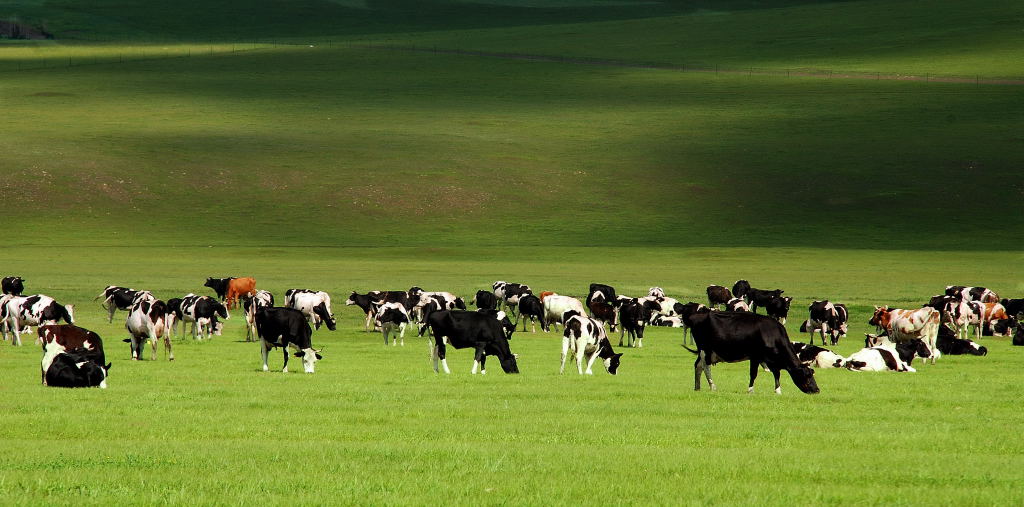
(694, 352)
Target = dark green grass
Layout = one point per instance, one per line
(376, 425)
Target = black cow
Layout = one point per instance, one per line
(365, 303)
(758, 297)
(284, 327)
(738, 336)
(605, 312)
(1018, 337)
(74, 369)
(479, 330)
(633, 317)
(607, 291)
(1014, 307)
(778, 308)
(718, 295)
(531, 307)
(486, 299)
(219, 285)
(740, 289)
(948, 343)
(13, 285)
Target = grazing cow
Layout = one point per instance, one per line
(72, 369)
(587, 340)
(778, 308)
(740, 289)
(655, 292)
(60, 338)
(556, 306)
(738, 336)
(737, 305)
(120, 298)
(826, 317)
(202, 312)
(972, 293)
(13, 285)
(532, 308)
(817, 357)
(262, 299)
(1014, 307)
(19, 312)
(445, 301)
(684, 311)
(147, 320)
(948, 343)
(481, 330)
(903, 325)
(633, 317)
(758, 297)
(606, 292)
(219, 286)
(392, 316)
(718, 295)
(508, 294)
(315, 305)
(603, 311)
(237, 288)
(486, 300)
(365, 303)
(284, 327)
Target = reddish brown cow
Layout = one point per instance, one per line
(245, 286)
(604, 312)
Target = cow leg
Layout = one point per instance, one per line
(696, 373)
(167, 346)
(285, 350)
(754, 366)
(401, 333)
(265, 349)
(110, 312)
(152, 345)
(433, 353)
(441, 349)
(17, 334)
(778, 386)
(707, 370)
(593, 357)
(477, 357)
(565, 350)
(483, 364)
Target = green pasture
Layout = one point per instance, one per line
(375, 425)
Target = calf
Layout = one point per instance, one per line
(633, 317)
(262, 299)
(286, 327)
(737, 305)
(740, 289)
(13, 285)
(315, 305)
(532, 308)
(57, 339)
(71, 369)
(486, 300)
(738, 336)
(392, 316)
(758, 297)
(817, 357)
(587, 340)
(147, 320)
(481, 331)
(556, 306)
(19, 312)
(718, 295)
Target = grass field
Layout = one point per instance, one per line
(376, 425)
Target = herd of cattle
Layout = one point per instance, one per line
(726, 329)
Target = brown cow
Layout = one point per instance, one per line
(604, 312)
(237, 287)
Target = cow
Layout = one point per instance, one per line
(19, 312)
(662, 321)
(948, 343)
(315, 305)
(718, 295)
(73, 369)
(817, 357)
(738, 336)
(284, 327)
(479, 330)
(237, 288)
(444, 300)
(60, 338)
(532, 308)
(174, 315)
(903, 325)
(1001, 327)
(778, 308)
(202, 312)
(758, 297)
(633, 317)
(655, 292)
(147, 320)
(555, 307)
(659, 305)
(508, 294)
(1014, 307)
(262, 299)
(955, 313)
(428, 307)
(392, 316)
(981, 315)
(826, 317)
(587, 340)
(1018, 336)
(13, 285)
(119, 298)
(603, 311)
(219, 286)
(972, 293)
(888, 357)
(547, 293)
(486, 299)
(740, 289)
(606, 293)
(365, 303)
(684, 311)
(737, 305)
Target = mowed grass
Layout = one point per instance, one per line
(376, 425)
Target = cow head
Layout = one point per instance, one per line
(508, 362)
(881, 318)
(351, 298)
(309, 358)
(803, 377)
(875, 340)
(324, 315)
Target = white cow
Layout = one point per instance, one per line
(147, 321)
(556, 306)
(316, 306)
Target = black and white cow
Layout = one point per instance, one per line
(737, 305)
(633, 317)
(778, 308)
(60, 338)
(718, 295)
(826, 317)
(817, 357)
(601, 291)
(587, 340)
(660, 305)
(662, 321)
(738, 336)
(684, 311)
(17, 313)
(1001, 327)
(286, 327)
(74, 369)
(261, 299)
(885, 356)
(480, 330)
(508, 294)
(443, 300)
(972, 293)
(315, 305)
(202, 312)
(219, 286)
(116, 298)
(147, 321)
(174, 315)
(365, 303)
(758, 297)
(486, 300)
(428, 307)
(948, 343)
(740, 289)
(13, 285)
(1014, 307)
(655, 292)
(392, 318)
(531, 307)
